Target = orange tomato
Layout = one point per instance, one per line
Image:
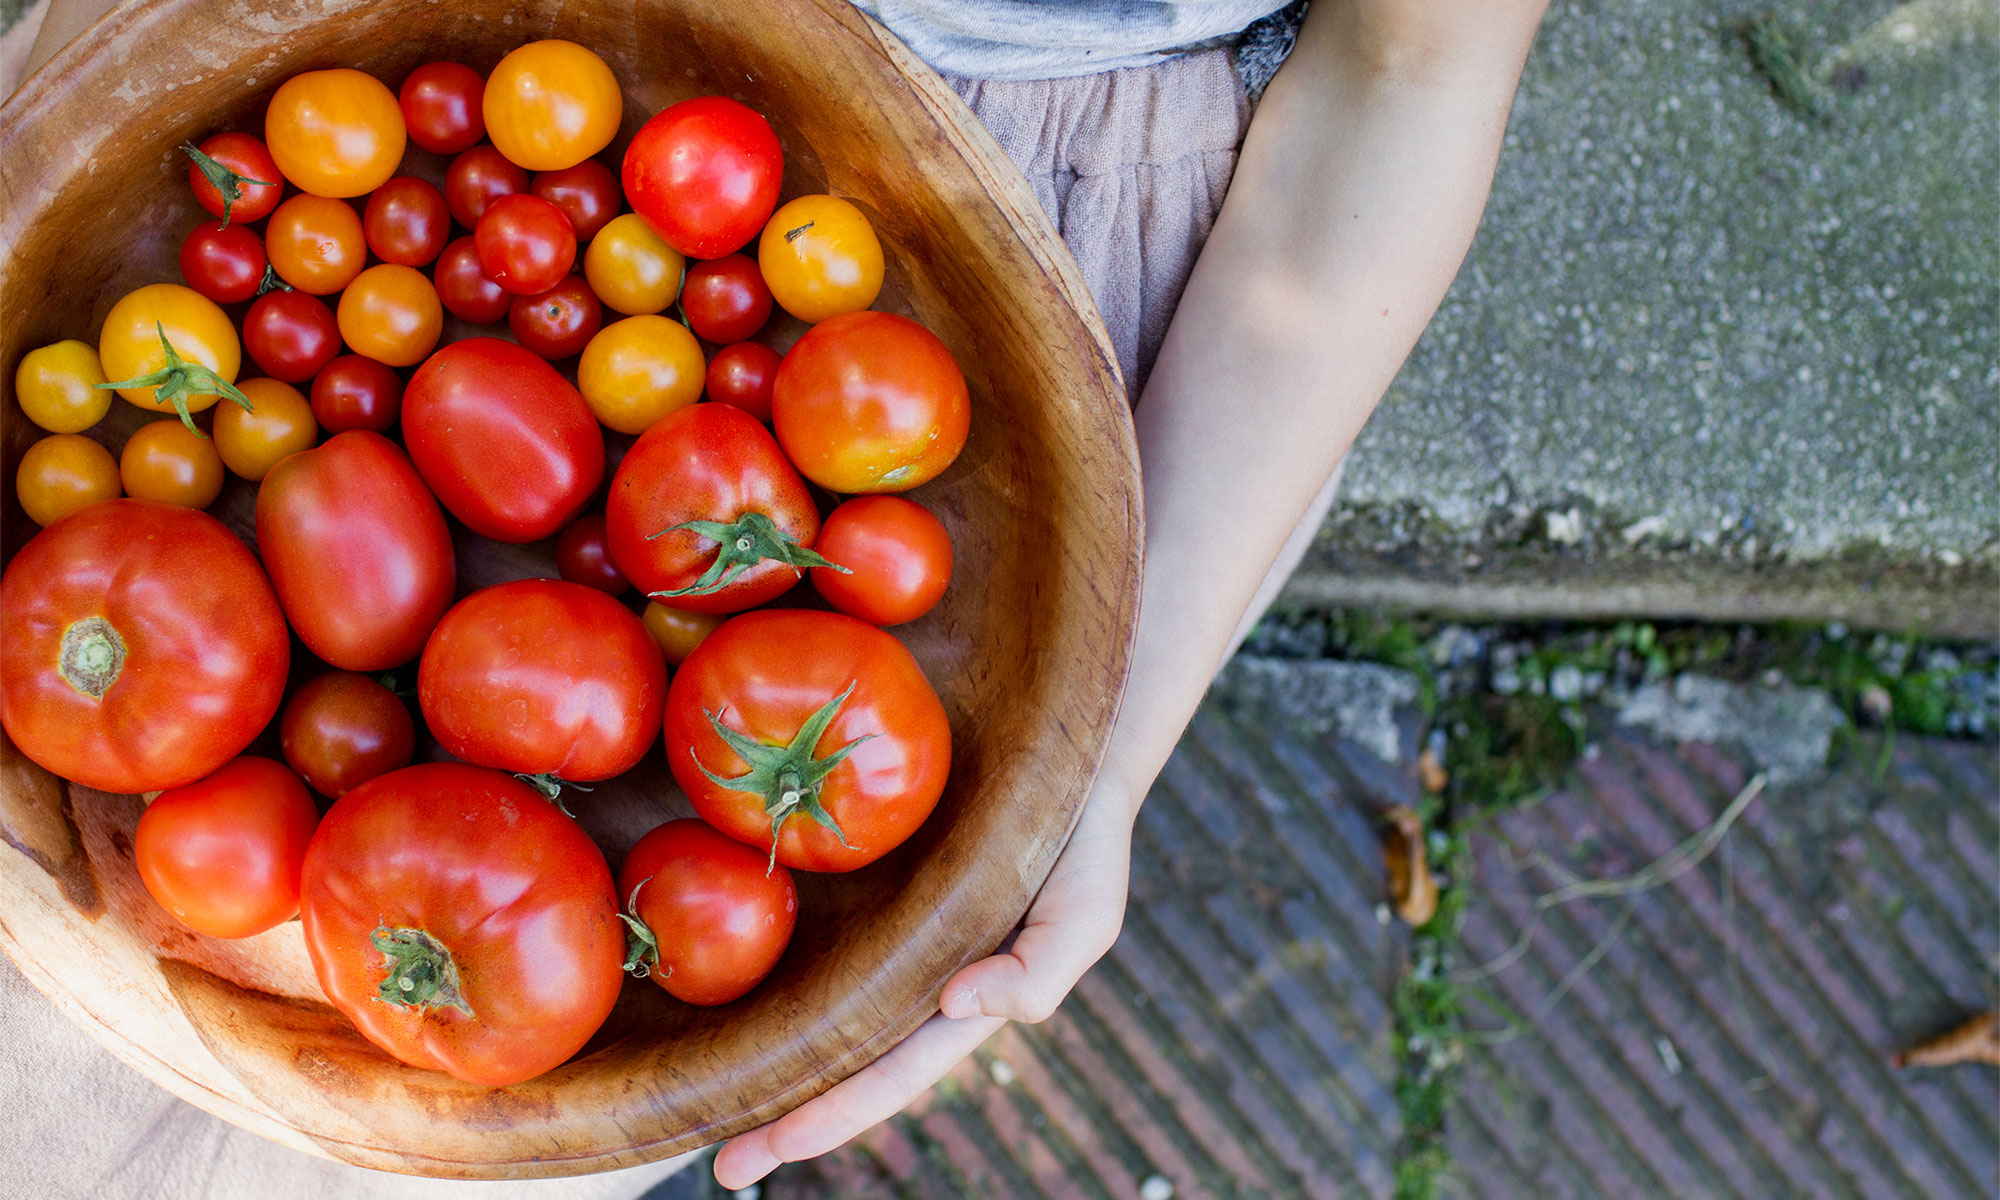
(316, 244)
(677, 631)
(635, 371)
(199, 332)
(63, 473)
(820, 258)
(57, 386)
(335, 133)
(168, 462)
(391, 314)
(551, 104)
(631, 268)
(280, 422)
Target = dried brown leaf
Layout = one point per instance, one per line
(1975, 1041)
(1431, 773)
(1411, 886)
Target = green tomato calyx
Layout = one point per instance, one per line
(789, 778)
(741, 544)
(180, 379)
(642, 948)
(224, 180)
(422, 972)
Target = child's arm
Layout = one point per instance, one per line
(1356, 195)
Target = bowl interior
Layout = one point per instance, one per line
(1028, 649)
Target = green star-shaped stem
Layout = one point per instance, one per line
(742, 544)
(180, 379)
(226, 181)
(787, 777)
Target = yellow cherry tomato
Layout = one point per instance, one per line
(549, 105)
(820, 258)
(57, 386)
(637, 370)
(631, 268)
(391, 314)
(279, 422)
(198, 362)
(335, 133)
(679, 632)
(63, 473)
(316, 244)
(168, 462)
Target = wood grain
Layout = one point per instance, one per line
(1028, 649)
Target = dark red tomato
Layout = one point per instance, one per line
(223, 262)
(716, 915)
(546, 678)
(587, 193)
(808, 696)
(224, 855)
(726, 299)
(870, 402)
(742, 375)
(441, 107)
(505, 442)
(353, 392)
(290, 335)
(897, 555)
(464, 289)
(342, 729)
(476, 179)
(406, 222)
(143, 646)
(582, 556)
(235, 178)
(706, 514)
(557, 323)
(525, 244)
(462, 922)
(357, 549)
(704, 174)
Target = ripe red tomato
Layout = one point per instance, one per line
(440, 103)
(492, 953)
(508, 446)
(342, 729)
(476, 179)
(706, 514)
(716, 917)
(557, 323)
(870, 402)
(290, 335)
(234, 177)
(353, 392)
(583, 556)
(704, 173)
(827, 747)
(742, 375)
(223, 855)
(357, 550)
(897, 555)
(587, 194)
(406, 222)
(546, 678)
(464, 289)
(144, 647)
(223, 262)
(525, 244)
(725, 299)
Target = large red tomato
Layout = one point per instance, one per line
(704, 174)
(812, 735)
(357, 549)
(140, 646)
(462, 922)
(711, 917)
(543, 677)
(706, 513)
(870, 402)
(507, 444)
(223, 854)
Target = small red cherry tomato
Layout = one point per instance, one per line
(342, 729)
(224, 854)
(290, 335)
(235, 178)
(587, 194)
(742, 375)
(582, 557)
(223, 262)
(440, 103)
(406, 222)
(464, 289)
(704, 174)
(356, 392)
(557, 323)
(525, 244)
(476, 179)
(898, 558)
(726, 299)
(716, 916)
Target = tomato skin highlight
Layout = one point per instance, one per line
(897, 555)
(335, 133)
(704, 173)
(204, 646)
(505, 443)
(721, 919)
(511, 888)
(441, 107)
(870, 402)
(357, 550)
(764, 674)
(525, 244)
(551, 104)
(406, 222)
(820, 257)
(167, 462)
(56, 386)
(223, 855)
(391, 314)
(342, 729)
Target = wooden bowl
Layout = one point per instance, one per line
(1028, 649)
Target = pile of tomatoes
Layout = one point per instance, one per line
(454, 910)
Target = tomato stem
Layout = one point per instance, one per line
(550, 785)
(422, 972)
(224, 180)
(741, 544)
(92, 656)
(788, 777)
(642, 948)
(180, 379)
(271, 281)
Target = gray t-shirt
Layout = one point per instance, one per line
(1050, 39)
